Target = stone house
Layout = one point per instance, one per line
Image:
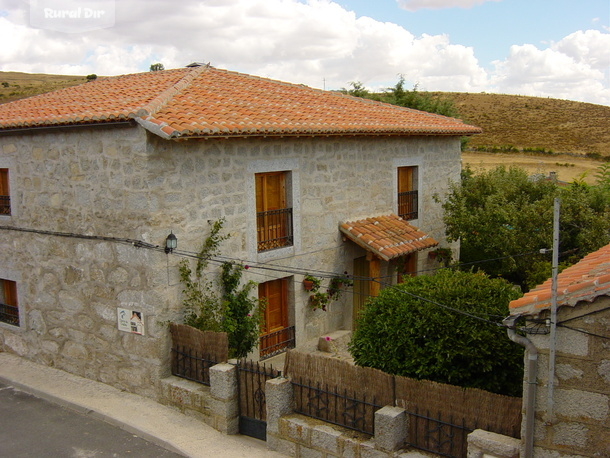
(571, 417)
(95, 177)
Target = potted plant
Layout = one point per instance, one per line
(320, 300)
(311, 283)
(442, 255)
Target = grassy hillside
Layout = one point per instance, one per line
(535, 123)
(17, 85)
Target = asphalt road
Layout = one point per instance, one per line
(34, 428)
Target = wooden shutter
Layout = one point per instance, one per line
(270, 195)
(405, 179)
(270, 191)
(276, 309)
(407, 192)
(10, 292)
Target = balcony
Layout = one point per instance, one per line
(407, 205)
(5, 205)
(274, 229)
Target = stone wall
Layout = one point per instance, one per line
(298, 435)
(126, 184)
(580, 425)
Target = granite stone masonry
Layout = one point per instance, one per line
(92, 206)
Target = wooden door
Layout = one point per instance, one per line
(406, 267)
(272, 338)
(361, 287)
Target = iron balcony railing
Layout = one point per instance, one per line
(407, 205)
(5, 205)
(9, 314)
(276, 342)
(274, 228)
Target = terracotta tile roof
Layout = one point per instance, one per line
(387, 236)
(584, 281)
(208, 102)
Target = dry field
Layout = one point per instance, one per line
(17, 85)
(569, 129)
(568, 167)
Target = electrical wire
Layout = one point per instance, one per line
(253, 265)
(584, 332)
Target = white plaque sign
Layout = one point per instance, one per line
(130, 321)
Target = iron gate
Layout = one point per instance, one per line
(251, 379)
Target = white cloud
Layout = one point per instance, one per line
(552, 73)
(414, 5)
(313, 42)
(591, 47)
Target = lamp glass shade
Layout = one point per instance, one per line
(171, 242)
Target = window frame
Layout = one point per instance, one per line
(293, 186)
(8, 289)
(276, 223)
(407, 192)
(5, 192)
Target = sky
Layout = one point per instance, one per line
(544, 48)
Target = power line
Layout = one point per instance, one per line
(253, 265)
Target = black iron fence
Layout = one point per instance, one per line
(5, 205)
(190, 364)
(274, 228)
(277, 342)
(338, 407)
(407, 205)
(9, 314)
(433, 434)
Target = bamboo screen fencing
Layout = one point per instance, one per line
(215, 345)
(464, 408)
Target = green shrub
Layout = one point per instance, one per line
(401, 334)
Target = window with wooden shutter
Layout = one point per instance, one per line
(407, 193)
(5, 195)
(276, 335)
(273, 214)
(9, 309)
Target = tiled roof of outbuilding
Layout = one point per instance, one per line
(208, 102)
(387, 236)
(584, 281)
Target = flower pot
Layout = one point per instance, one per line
(308, 285)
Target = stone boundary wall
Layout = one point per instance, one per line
(216, 405)
(298, 435)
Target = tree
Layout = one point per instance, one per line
(225, 305)
(503, 219)
(400, 333)
(357, 90)
(157, 67)
(418, 100)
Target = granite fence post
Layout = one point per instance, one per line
(223, 389)
(390, 428)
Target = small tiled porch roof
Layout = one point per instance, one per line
(584, 281)
(388, 237)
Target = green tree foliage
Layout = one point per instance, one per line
(91, 77)
(424, 101)
(221, 304)
(503, 215)
(401, 334)
(157, 67)
(357, 89)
